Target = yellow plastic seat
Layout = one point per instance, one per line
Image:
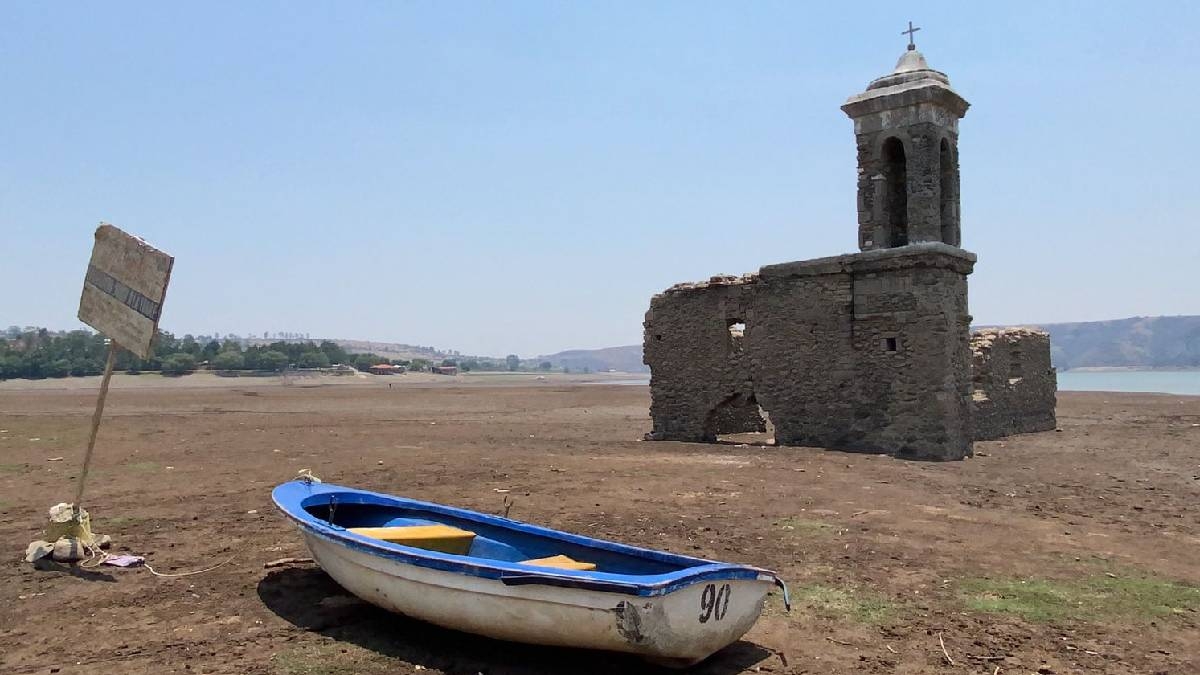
(561, 562)
(441, 538)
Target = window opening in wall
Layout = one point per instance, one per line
(895, 171)
(948, 203)
(890, 344)
(737, 330)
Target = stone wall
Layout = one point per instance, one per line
(862, 352)
(929, 214)
(701, 379)
(1014, 384)
(867, 351)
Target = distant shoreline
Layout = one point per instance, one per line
(213, 380)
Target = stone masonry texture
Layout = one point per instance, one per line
(866, 351)
(838, 352)
(1013, 382)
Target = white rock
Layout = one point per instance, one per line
(38, 550)
(68, 550)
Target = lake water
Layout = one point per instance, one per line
(1185, 382)
(1160, 381)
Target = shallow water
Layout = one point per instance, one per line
(1159, 381)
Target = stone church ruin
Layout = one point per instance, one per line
(1013, 384)
(868, 351)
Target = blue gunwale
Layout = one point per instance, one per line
(290, 499)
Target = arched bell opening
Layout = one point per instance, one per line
(951, 233)
(895, 202)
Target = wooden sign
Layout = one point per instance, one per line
(124, 289)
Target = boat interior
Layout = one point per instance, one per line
(457, 535)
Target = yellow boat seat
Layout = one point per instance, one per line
(441, 538)
(561, 562)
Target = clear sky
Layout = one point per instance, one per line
(523, 176)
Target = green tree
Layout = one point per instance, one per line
(210, 350)
(334, 352)
(189, 345)
(165, 344)
(513, 362)
(365, 361)
(85, 366)
(59, 368)
(545, 365)
(272, 359)
(11, 367)
(180, 363)
(227, 361)
(313, 359)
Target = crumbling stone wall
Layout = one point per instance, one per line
(867, 351)
(702, 383)
(1013, 382)
(862, 352)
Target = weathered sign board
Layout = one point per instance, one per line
(124, 289)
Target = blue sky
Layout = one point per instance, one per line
(522, 177)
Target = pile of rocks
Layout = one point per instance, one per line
(68, 538)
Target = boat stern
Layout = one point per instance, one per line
(690, 624)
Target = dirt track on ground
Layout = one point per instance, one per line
(882, 555)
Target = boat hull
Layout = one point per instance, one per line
(680, 627)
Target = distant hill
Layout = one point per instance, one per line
(1140, 342)
(627, 359)
(1137, 342)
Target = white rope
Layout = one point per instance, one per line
(187, 574)
(96, 558)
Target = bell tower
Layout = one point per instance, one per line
(906, 128)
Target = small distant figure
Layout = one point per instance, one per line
(389, 385)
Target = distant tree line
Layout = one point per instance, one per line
(37, 353)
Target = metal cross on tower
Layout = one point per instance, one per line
(911, 45)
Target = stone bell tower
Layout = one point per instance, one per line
(906, 125)
(867, 351)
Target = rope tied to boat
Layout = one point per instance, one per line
(787, 599)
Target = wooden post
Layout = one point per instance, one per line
(87, 458)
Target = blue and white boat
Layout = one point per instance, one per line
(514, 581)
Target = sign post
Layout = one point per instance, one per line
(87, 457)
(122, 298)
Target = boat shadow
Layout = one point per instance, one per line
(309, 599)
